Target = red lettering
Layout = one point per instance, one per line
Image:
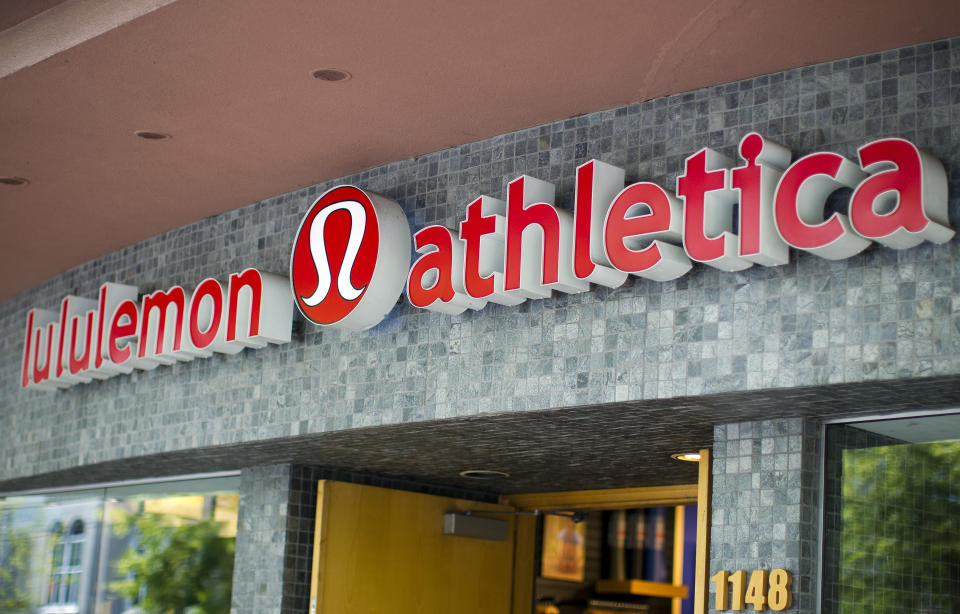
(627, 228)
(583, 265)
(98, 339)
(757, 184)
(901, 206)
(83, 363)
(43, 374)
(61, 345)
(118, 332)
(472, 229)
(207, 288)
(708, 211)
(799, 206)
(247, 279)
(101, 315)
(25, 375)
(597, 184)
(522, 214)
(431, 277)
(161, 302)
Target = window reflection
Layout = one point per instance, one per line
(892, 517)
(168, 553)
(47, 551)
(145, 549)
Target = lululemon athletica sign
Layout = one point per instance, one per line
(725, 214)
(350, 257)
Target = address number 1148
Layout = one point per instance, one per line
(765, 589)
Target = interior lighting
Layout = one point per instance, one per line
(690, 457)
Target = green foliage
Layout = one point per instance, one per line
(184, 569)
(14, 560)
(900, 550)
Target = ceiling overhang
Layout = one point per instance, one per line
(233, 84)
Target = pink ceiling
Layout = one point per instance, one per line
(231, 82)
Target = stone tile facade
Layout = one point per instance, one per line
(878, 316)
(766, 502)
(765, 343)
(259, 563)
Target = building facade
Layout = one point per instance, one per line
(574, 392)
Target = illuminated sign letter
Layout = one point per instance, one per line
(904, 201)
(800, 201)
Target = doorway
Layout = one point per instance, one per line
(378, 550)
(635, 551)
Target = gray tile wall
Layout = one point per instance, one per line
(766, 502)
(259, 569)
(877, 316)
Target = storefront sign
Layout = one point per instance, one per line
(96, 339)
(525, 247)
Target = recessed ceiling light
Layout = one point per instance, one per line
(151, 136)
(483, 474)
(13, 181)
(331, 74)
(690, 457)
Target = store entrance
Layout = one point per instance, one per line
(382, 551)
(605, 551)
(378, 550)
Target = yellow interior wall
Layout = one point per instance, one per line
(383, 551)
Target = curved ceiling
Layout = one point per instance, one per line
(231, 83)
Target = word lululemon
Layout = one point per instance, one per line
(97, 339)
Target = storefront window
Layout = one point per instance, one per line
(144, 549)
(45, 551)
(892, 521)
(168, 548)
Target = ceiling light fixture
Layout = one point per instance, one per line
(13, 181)
(151, 136)
(483, 474)
(331, 74)
(690, 457)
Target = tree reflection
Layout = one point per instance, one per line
(178, 565)
(14, 563)
(900, 550)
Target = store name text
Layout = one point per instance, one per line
(97, 339)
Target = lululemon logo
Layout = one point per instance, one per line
(341, 267)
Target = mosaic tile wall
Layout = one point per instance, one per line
(765, 502)
(880, 315)
(298, 551)
(258, 571)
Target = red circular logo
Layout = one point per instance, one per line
(335, 255)
(350, 258)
